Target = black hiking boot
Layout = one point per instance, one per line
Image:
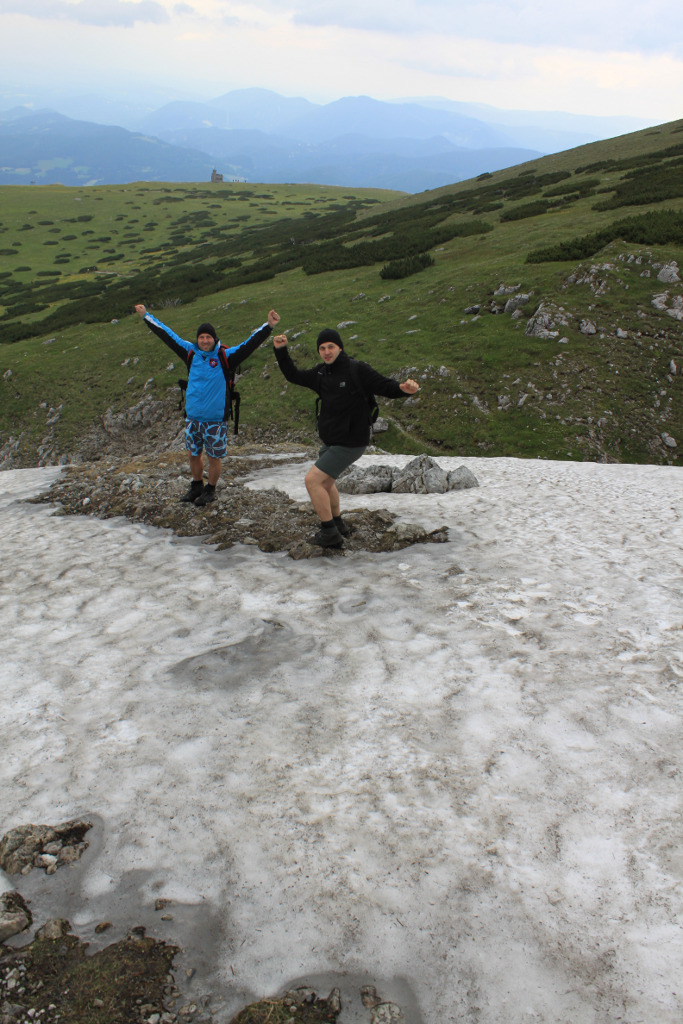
(196, 488)
(341, 526)
(327, 537)
(207, 496)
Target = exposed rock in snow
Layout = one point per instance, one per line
(15, 917)
(421, 476)
(45, 846)
(669, 273)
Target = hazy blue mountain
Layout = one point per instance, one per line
(48, 148)
(258, 109)
(353, 161)
(586, 127)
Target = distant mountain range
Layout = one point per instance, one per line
(259, 135)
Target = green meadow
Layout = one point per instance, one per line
(228, 253)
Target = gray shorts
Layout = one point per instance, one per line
(333, 459)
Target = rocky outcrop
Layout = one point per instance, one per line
(541, 324)
(43, 846)
(421, 476)
(669, 273)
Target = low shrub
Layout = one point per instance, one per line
(404, 268)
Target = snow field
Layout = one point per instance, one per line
(457, 764)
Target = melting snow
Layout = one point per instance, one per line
(458, 764)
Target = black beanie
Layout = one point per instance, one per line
(328, 334)
(207, 329)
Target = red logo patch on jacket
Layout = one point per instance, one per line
(213, 363)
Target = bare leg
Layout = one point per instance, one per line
(323, 493)
(215, 466)
(197, 467)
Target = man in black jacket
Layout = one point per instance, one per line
(344, 422)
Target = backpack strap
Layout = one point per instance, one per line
(318, 389)
(231, 396)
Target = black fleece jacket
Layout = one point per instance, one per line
(344, 413)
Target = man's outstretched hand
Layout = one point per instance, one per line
(410, 387)
(273, 318)
(140, 310)
(280, 340)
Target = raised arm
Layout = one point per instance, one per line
(241, 352)
(177, 344)
(305, 378)
(376, 383)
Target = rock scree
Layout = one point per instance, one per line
(147, 490)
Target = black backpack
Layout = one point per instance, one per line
(230, 394)
(373, 408)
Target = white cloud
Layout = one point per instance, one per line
(90, 12)
(584, 24)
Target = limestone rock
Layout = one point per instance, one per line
(669, 273)
(673, 369)
(676, 310)
(659, 301)
(371, 480)
(53, 929)
(504, 289)
(421, 476)
(504, 402)
(387, 1013)
(473, 309)
(15, 917)
(380, 425)
(621, 333)
(24, 847)
(540, 325)
(587, 327)
(513, 303)
(668, 440)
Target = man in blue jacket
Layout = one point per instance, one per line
(207, 404)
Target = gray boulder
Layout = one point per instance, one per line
(421, 476)
(461, 479)
(371, 480)
(669, 273)
(380, 425)
(15, 917)
(587, 327)
(515, 302)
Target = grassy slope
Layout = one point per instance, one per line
(604, 391)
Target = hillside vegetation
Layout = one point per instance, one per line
(548, 326)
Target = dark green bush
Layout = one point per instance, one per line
(522, 212)
(404, 268)
(655, 228)
(646, 185)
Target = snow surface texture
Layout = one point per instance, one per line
(468, 780)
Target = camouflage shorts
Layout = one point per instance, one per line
(211, 436)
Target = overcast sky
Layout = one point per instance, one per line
(588, 56)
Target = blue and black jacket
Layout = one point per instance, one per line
(208, 395)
